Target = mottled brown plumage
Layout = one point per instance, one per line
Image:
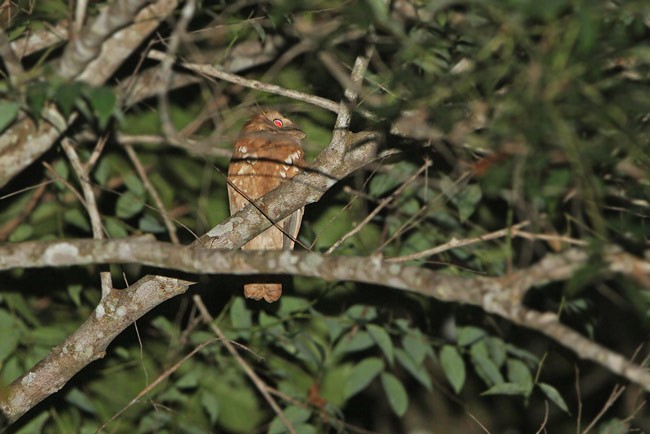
(267, 153)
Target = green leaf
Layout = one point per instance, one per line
(149, 223)
(115, 228)
(128, 205)
(309, 351)
(210, 404)
(48, 335)
(497, 350)
(290, 304)
(35, 425)
(519, 373)
(362, 313)
(21, 233)
(467, 200)
(103, 102)
(66, 96)
(418, 372)
(614, 426)
(335, 327)
(241, 318)
(10, 335)
(37, 94)
(189, 380)
(77, 218)
(484, 365)
(62, 170)
(79, 399)
(357, 342)
(134, 184)
(296, 415)
(383, 341)
(416, 347)
(74, 291)
(453, 366)
(395, 392)
(8, 112)
(362, 374)
(102, 171)
(505, 389)
(468, 335)
(552, 394)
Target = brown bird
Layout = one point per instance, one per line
(267, 153)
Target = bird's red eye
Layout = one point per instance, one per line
(278, 123)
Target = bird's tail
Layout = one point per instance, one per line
(270, 292)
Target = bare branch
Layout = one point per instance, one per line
(211, 71)
(11, 61)
(24, 141)
(171, 229)
(88, 44)
(493, 294)
(91, 205)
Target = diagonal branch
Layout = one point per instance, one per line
(25, 141)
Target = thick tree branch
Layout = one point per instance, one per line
(497, 295)
(88, 44)
(26, 141)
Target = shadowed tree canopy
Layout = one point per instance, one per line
(475, 250)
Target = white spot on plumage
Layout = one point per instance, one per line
(289, 159)
(283, 174)
(243, 149)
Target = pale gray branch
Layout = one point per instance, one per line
(25, 141)
(496, 295)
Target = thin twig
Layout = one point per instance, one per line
(97, 152)
(80, 14)
(545, 237)
(542, 428)
(171, 229)
(257, 381)
(379, 207)
(157, 381)
(11, 61)
(11, 225)
(211, 71)
(613, 397)
(455, 243)
(168, 62)
(412, 221)
(329, 419)
(91, 206)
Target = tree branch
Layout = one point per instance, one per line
(24, 142)
(496, 295)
